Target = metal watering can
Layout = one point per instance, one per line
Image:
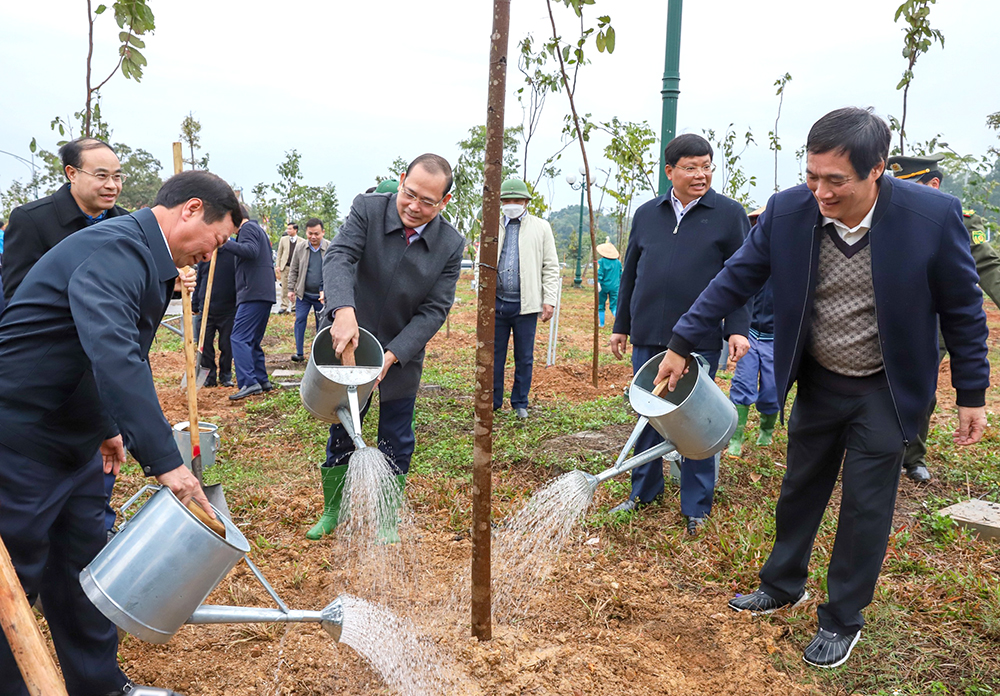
(334, 392)
(155, 573)
(208, 442)
(696, 419)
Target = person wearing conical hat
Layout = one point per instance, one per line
(527, 288)
(609, 276)
(926, 171)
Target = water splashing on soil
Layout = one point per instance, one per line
(408, 663)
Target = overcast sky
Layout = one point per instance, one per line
(353, 85)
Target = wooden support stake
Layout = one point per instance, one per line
(178, 158)
(23, 635)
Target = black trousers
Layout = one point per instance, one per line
(52, 522)
(826, 430)
(221, 324)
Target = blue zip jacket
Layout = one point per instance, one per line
(668, 265)
(922, 270)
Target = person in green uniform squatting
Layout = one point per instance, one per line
(924, 170)
(609, 278)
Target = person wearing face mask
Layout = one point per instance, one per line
(527, 288)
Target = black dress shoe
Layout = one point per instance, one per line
(628, 506)
(269, 385)
(227, 383)
(693, 523)
(246, 391)
(133, 689)
(917, 472)
(829, 649)
(210, 382)
(760, 602)
(298, 358)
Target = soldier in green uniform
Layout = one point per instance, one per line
(924, 170)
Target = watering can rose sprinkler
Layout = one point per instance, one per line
(685, 407)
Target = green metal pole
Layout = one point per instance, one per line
(671, 84)
(578, 279)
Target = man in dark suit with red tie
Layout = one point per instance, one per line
(392, 269)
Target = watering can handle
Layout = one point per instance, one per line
(130, 501)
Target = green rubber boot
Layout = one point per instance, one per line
(736, 444)
(388, 529)
(333, 491)
(766, 428)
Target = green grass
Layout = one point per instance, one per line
(933, 627)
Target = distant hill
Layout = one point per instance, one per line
(565, 226)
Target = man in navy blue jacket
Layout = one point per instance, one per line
(863, 269)
(679, 242)
(254, 296)
(74, 382)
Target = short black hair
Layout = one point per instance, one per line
(244, 213)
(855, 132)
(371, 189)
(71, 153)
(217, 196)
(931, 175)
(435, 164)
(686, 145)
(314, 222)
(293, 225)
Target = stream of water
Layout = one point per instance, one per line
(409, 664)
(376, 526)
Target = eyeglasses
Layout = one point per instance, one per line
(409, 195)
(691, 171)
(117, 177)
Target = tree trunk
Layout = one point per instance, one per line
(482, 470)
(590, 199)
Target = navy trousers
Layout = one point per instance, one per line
(221, 324)
(697, 475)
(248, 330)
(52, 522)
(395, 435)
(510, 321)
(826, 429)
(303, 306)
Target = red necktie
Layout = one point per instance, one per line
(409, 235)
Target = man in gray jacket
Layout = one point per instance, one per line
(392, 270)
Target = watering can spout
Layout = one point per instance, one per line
(333, 618)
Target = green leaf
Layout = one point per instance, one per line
(100, 9)
(600, 42)
(136, 41)
(137, 57)
(123, 36)
(33, 146)
(609, 39)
